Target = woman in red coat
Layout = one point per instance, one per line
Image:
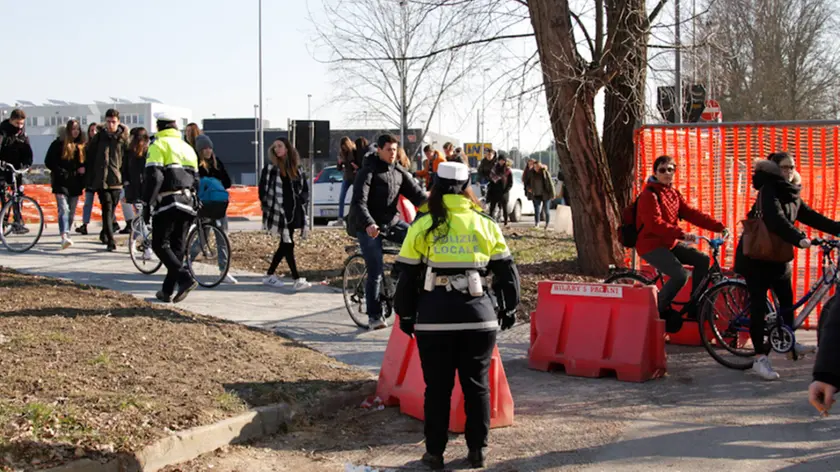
(662, 243)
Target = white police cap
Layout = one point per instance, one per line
(453, 171)
(165, 116)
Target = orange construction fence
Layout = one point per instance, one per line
(714, 173)
(244, 202)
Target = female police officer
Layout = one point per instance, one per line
(442, 297)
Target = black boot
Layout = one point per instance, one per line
(476, 458)
(82, 229)
(673, 320)
(432, 461)
(127, 229)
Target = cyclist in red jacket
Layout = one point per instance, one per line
(662, 243)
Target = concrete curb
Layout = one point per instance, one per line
(189, 444)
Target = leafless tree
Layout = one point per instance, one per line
(772, 59)
(384, 53)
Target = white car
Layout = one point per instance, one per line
(518, 204)
(325, 193)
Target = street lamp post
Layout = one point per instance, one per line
(256, 144)
(403, 72)
(260, 139)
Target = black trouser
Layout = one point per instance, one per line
(441, 353)
(758, 284)
(503, 202)
(670, 263)
(169, 241)
(109, 199)
(286, 250)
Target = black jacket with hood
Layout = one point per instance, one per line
(376, 193)
(133, 176)
(781, 207)
(105, 154)
(64, 173)
(14, 149)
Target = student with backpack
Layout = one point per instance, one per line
(660, 241)
(212, 192)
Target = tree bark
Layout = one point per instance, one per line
(570, 94)
(624, 97)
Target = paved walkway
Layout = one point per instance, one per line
(701, 417)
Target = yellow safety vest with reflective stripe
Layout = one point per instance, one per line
(173, 160)
(471, 241)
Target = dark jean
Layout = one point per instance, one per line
(342, 194)
(758, 284)
(670, 262)
(372, 252)
(169, 241)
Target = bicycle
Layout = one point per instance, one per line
(21, 216)
(354, 277)
(140, 245)
(732, 335)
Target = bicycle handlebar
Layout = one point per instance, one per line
(6, 165)
(826, 243)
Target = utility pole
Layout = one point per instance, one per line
(261, 139)
(678, 90)
(403, 72)
(256, 145)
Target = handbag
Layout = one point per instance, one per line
(762, 244)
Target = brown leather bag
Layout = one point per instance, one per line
(761, 243)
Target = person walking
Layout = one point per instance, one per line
(171, 178)
(485, 167)
(374, 215)
(349, 166)
(662, 243)
(778, 205)
(284, 195)
(66, 161)
(498, 189)
(443, 299)
(90, 194)
(14, 150)
(433, 160)
(213, 185)
(105, 157)
(134, 168)
(542, 192)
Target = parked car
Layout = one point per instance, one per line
(325, 193)
(518, 204)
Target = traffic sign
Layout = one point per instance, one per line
(712, 111)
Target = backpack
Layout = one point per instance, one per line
(211, 190)
(628, 234)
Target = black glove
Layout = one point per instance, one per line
(507, 319)
(407, 326)
(147, 214)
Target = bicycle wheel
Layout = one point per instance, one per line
(628, 278)
(354, 277)
(23, 225)
(725, 324)
(208, 255)
(140, 248)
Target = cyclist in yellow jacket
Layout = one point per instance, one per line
(170, 187)
(443, 297)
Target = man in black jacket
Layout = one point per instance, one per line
(104, 156)
(15, 150)
(374, 214)
(827, 367)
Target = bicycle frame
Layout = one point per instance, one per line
(817, 292)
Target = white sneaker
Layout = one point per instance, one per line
(66, 241)
(335, 223)
(273, 281)
(302, 284)
(229, 279)
(377, 324)
(801, 350)
(761, 366)
(147, 254)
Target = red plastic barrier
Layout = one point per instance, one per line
(401, 383)
(592, 329)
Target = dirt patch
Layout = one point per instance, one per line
(89, 372)
(539, 255)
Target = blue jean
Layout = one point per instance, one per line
(372, 252)
(221, 248)
(66, 212)
(542, 207)
(88, 208)
(342, 194)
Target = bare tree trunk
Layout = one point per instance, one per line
(624, 99)
(570, 95)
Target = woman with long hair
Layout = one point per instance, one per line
(134, 166)
(348, 164)
(403, 160)
(66, 161)
(216, 180)
(90, 194)
(284, 193)
(779, 206)
(442, 298)
(191, 132)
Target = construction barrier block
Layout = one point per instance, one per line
(593, 329)
(401, 383)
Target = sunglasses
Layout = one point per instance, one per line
(788, 167)
(667, 170)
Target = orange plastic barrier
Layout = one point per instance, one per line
(401, 383)
(714, 174)
(593, 329)
(244, 202)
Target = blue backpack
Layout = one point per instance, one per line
(211, 190)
